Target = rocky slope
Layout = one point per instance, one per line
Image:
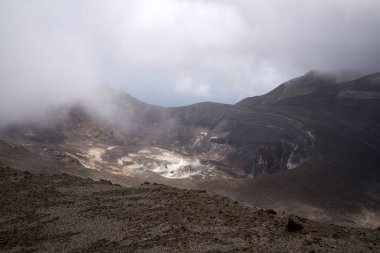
(41, 213)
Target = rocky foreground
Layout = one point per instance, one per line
(62, 213)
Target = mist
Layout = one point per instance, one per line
(174, 52)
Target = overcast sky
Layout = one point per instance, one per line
(176, 52)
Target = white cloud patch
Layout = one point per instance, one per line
(40, 66)
(187, 86)
(178, 34)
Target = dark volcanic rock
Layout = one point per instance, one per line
(293, 226)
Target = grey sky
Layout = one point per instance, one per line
(176, 52)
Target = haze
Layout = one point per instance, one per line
(175, 52)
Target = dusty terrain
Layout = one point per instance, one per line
(51, 213)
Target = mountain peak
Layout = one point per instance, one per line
(295, 87)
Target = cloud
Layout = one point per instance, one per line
(40, 66)
(175, 52)
(187, 86)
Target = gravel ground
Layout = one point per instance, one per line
(62, 213)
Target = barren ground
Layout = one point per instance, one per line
(62, 213)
